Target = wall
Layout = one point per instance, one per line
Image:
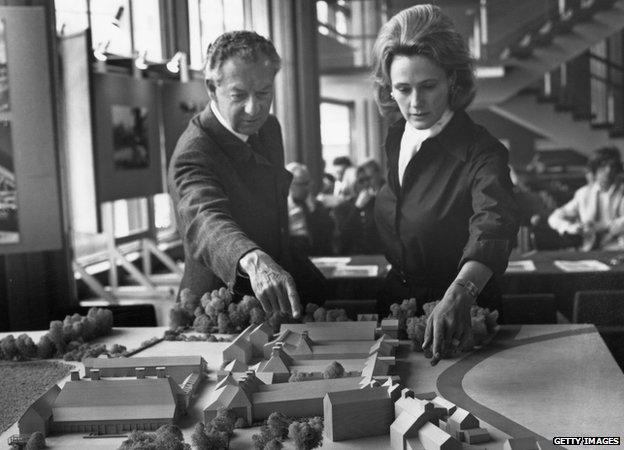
(521, 141)
(369, 128)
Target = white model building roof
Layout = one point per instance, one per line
(43, 405)
(148, 398)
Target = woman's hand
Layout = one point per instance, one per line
(449, 326)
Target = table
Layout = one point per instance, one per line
(544, 380)
(547, 278)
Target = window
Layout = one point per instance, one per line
(336, 122)
(207, 20)
(71, 16)
(110, 23)
(146, 29)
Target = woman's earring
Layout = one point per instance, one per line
(391, 95)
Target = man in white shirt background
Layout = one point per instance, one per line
(596, 212)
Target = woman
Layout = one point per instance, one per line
(447, 216)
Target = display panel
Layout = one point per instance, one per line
(4, 70)
(180, 102)
(9, 229)
(31, 219)
(127, 145)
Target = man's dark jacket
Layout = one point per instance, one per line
(229, 199)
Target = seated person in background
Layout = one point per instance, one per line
(331, 199)
(596, 213)
(534, 208)
(372, 170)
(339, 166)
(328, 181)
(355, 218)
(311, 227)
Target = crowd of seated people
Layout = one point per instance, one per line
(595, 214)
(591, 218)
(339, 220)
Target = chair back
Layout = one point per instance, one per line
(528, 309)
(602, 308)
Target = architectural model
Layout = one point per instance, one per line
(367, 401)
(138, 394)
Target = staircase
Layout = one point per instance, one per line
(569, 116)
(526, 63)
(558, 126)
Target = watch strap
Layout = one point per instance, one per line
(473, 291)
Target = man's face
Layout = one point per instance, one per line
(339, 170)
(605, 175)
(244, 94)
(374, 176)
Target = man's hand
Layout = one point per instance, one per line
(449, 326)
(575, 228)
(364, 197)
(272, 285)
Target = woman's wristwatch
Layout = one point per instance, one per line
(470, 287)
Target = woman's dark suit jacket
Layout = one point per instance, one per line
(455, 204)
(229, 199)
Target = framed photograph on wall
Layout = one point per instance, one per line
(130, 139)
(126, 135)
(9, 229)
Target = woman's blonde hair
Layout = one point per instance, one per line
(423, 30)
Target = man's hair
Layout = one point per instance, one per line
(342, 161)
(605, 156)
(298, 169)
(371, 164)
(247, 45)
(423, 30)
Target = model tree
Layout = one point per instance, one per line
(278, 425)
(167, 437)
(333, 370)
(223, 422)
(274, 444)
(307, 435)
(36, 441)
(203, 440)
(68, 336)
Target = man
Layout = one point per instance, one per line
(311, 227)
(339, 166)
(596, 213)
(228, 181)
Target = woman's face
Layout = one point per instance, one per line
(421, 89)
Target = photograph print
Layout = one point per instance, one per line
(4, 70)
(9, 230)
(130, 142)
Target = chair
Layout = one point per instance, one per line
(528, 309)
(605, 309)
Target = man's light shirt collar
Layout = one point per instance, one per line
(222, 121)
